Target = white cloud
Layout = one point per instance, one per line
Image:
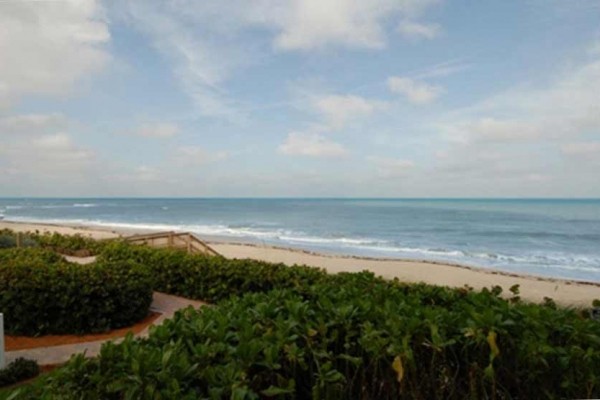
(338, 110)
(145, 173)
(38, 157)
(565, 107)
(417, 92)
(537, 178)
(443, 69)
(52, 157)
(312, 24)
(201, 59)
(418, 30)
(312, 145)
(32, 123)
(48, 46)
(391, 167)
(208, 41)
(197, 155)
(496, 130)
(58, 141)
(585, 149)
(535, 139)
(158, 130)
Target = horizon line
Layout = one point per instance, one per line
(290, 198)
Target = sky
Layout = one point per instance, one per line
(300, 98)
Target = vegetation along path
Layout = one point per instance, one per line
(162, 303)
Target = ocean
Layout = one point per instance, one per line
(546, 237)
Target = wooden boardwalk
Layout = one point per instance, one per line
(183, 241)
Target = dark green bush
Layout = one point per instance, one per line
(40, 294)
(211, 278)
(24, 255)
(353, 336)
(8, 239)
(17, 371)
(302, 334)
(76, 245)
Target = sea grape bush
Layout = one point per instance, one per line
(25, 255)
(40, 293)
(351, 336)
(8, 239)
(18, 370)
(211, 278)
(77, 245)
(299, 333)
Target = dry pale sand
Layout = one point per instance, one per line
(93, 232)
(532, 288)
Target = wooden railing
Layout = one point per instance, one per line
(183, 241)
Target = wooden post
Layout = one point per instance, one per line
(170, 242)
(2, 359)
(19, 239)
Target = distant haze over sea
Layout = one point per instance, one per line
(548, 237)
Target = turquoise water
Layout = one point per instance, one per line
(557, 238)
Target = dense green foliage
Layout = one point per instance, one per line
(352, 336)
(77, 245)
(211, 278)
(17, 371)
(8, 239)
(29, 255)
(40, 293)
(299, 333)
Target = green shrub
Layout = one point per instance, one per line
(353, 336)
(17, 371)
(211, 278)
(76, 245)
(8, 239)
(300, 333)
(24, 255)
(40, 294)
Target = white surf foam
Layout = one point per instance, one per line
(361, 246)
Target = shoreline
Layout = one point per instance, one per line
(486, 270)
(532, 287)
(112, 232)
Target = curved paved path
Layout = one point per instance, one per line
(162, 303)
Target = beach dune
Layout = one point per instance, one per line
(564, 292)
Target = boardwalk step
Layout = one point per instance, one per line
(178, 240)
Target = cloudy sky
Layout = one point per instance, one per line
(403, 98)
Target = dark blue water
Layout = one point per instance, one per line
(558, 238)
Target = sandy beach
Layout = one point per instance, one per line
(569, 293)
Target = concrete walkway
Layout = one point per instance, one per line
(162, 303)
